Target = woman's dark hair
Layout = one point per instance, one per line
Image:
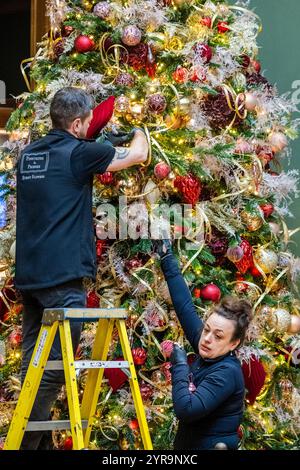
(238, 310)
(68, 104)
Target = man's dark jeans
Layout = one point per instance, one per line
(69, 294)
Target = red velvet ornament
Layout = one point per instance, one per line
(256, 65)
(101, 115)
(83, 43)
(106, 178)
(146, 391)
(204, 51)
(223, 27)
(247, 260)
(267, 209)
(139, 356)
(92, 300)
(180, 75)
(190, 188)
(206, 21)
(134, 424)
(161, 170)
(15, 338)
(197, 293)
(68, 443)
(211, 292)
(254, 376)
(116, 377)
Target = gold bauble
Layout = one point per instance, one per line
(173, 121)
(124, 444)
(122, 104)
(266, 259)
(294, 327)
(173, 44)
(253, 221)
(280, 320)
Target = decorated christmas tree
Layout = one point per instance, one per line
(187, 72)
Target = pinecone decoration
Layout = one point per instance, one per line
(218, 112)
(256, 80)
(136, 56)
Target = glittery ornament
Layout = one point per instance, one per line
(266, 259)
(253, 221)
(146, 391)
(131, 35)
(180, 75)
(267, 209)
(156, 103)
(102, 10)
(15, 338)
(203, 52)
(139, 356)
(158, 378)
(235, 253)
(167, 347)
(92, 300)
(68, 443)
(83, 43)
(122, 104)
(189, 187)
(294, 327)
(247, 260)
(280, 320)
(211, 292)
(255, 272)
(106, 178)
(222, 26)
(125, 79)
(206, 21)
(251, 101)
(161, 170)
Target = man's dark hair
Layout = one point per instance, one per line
(68, 104)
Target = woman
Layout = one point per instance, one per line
(208, 396)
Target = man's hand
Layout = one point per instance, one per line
(118, 138)
(178, 355)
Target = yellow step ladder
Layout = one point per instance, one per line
(80, 417)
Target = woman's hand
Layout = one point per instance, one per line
(178, 355)
(162, 247)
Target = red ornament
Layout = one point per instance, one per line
(206, 21)
(161, 170)
(84, 43)
(15, 338)
(135, 57)
(255, 272)
(254, 376)
(146, 391)
(211, 292)
(133, 264)
(240, 432)
(241, 286)
(101, 115)
(156, 103)
(223, 26)
(197, 293)
(247, 260)
(66, 30)
(92, 300)
(256, 65)
(134, 424)
(100, 246)
(116, 377)
(190, 188)
(203, 51)
(106, 178)
(139, 356)
(167, 348)
(267, 209)
(180, 75)
(68, 443)
(198, 74)
(245, 60)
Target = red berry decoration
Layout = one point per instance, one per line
(223, 27)
(206, 21)
(256, 65)
(203, 51)
(162, 170)
(247, 260)
(267, 209)
(83, 43)
(92, 300)
(134, 424)
(68, 443)
(100, 246)
(197, 293)
(180, 75)
(139, 356)
(211, 292)
(106, 178)
(190, 188)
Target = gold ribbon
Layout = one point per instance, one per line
(26, 61)
(269, 288)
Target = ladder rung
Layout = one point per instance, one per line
(82, 314)
(52, 425)
(59, 365)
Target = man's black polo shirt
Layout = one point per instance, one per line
(55, 236)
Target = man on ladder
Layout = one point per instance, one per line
(55, 246)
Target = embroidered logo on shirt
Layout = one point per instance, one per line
(32, 163)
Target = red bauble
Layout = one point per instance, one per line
(190, 188)
(139, 356)
(106, 178)
(247, 260)
(100, 246)
(197, 293)
(267, 209)
(167, 347)
(68, 443)
(161, 170)
(180, 75)
(254, 376)
(146, 391)
(198, 74)
(223, 27)
(211, 292)
(256, 65)
(83, 43)
(116, 377)
(66, 30)
(15, 338)
(156, 103)
(245, 60)
(134, 424)
(255, 272)
(206, 21)
(241, 286)
(92, 300)
(203, 51)
(133, 263)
